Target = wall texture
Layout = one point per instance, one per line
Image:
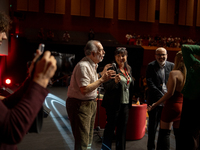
(118, 28)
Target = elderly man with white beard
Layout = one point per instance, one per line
(82, 92)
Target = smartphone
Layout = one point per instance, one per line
(41, 47)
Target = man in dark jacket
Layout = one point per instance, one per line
(157, 76)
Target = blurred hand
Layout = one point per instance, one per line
(150, 107)
(117, 78)
(110, 74)
(38, 53)
(106, 68)
(44, 69)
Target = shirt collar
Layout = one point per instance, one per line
(92, 63)
(162, 66)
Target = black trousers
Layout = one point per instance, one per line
(190, 124)
(118, 120)
(154, 120)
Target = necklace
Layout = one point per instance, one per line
(125, 73)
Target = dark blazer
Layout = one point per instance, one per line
(113, 94)
(154, 80)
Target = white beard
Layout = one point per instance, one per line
(99, 58)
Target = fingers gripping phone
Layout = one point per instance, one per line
(41, 48)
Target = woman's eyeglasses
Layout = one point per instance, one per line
(121, 48)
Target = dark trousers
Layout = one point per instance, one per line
(154, 120)
(82, 117)
(117, 119)
(190, 124)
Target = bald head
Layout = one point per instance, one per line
(161, 49)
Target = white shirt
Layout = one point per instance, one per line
(83, 74)
(164, 87)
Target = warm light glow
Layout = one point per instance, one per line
(8, 81)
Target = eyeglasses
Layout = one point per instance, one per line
(100, 50)
(121, 48)
(161, 54)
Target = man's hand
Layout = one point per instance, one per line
(110, 74)
(44, 69)
(150, 107)
(105, 69)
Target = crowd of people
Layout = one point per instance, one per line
(159, 41)
(49, 35)
(173, 97)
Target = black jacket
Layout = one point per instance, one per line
(113, 94)
(154, 80)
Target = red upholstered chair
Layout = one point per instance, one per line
(136, 122)
(132, 41)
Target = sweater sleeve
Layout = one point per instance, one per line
(15, 121)
(11, 100)
(188, 54)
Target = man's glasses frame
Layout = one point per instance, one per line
(161, 54)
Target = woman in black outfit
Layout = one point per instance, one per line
(117, 101)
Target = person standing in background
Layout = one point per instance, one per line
(173, 100)
(190, 122)
(82, 92)
(91, 35)
(157, 75)
(117, 101)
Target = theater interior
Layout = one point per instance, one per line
(110, 20)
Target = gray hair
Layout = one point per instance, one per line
(91, 46)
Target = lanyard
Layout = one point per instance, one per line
(126, 75)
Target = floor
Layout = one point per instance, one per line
(56, 132)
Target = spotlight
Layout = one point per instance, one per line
(7, 81)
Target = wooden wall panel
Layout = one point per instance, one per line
(85, 8)
(151, 10)
(33, 5)
(190, 12)
(163, 11)
(60, 7)
(126, 10)
(186, 11)
(122, 9)
(76, 7)
(49, 6)
(99, 8)
(182, 12)
(131, 10)
(109, 7)
(198, 14)
(171, 11)
(22, 5)
(143, 10)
